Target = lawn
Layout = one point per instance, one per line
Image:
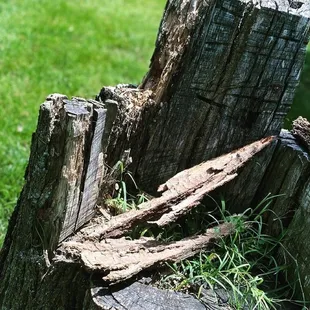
(73, 48)
(67, 47)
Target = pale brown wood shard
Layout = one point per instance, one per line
(181, 193)
(121, 259)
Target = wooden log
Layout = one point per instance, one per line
(288, 177)
(139, 296)
(223, 75)
(49, 266)
(296, 246)
(285, 177)
(64, 173)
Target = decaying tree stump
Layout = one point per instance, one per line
(221, 81)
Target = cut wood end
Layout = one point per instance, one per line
(293, 7)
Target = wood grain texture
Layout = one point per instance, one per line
(65, 163)
(120, 259)
(297, 243)
(95, 171)
(67, 195)
(223, 75)
(138, 296)
(285, 176)
(180, 194)
(234, 84)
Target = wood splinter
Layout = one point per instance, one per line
(98, 249)
(180, 194)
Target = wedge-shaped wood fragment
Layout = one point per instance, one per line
(120, 259)
(181, 193)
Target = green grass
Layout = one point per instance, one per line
(68, 47)
(244, 265)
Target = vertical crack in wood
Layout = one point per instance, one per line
(67, 197)
(93, 170)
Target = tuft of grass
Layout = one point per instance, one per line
(244, 265)
(122, 201)
(68, 47)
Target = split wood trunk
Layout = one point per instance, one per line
(222, 78)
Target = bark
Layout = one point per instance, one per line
(301, 130)
(222, 76)
(48, 209)
(289, 176)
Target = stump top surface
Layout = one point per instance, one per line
(295, 7)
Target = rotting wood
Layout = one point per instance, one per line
(301, 130)
(139, 296)
(181, 193)
(95, 170)
(120, 259)
(231, 84)
(285, 177)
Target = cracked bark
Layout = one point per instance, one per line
(222, 76)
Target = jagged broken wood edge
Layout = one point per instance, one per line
(120, 259)
(180, 194)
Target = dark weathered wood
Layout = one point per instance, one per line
(60, 166)
(94, 174)
(286, 175)
(228, 81)
(296, 250)
(138, 296)
(223, 75)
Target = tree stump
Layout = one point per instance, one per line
(221, 81)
